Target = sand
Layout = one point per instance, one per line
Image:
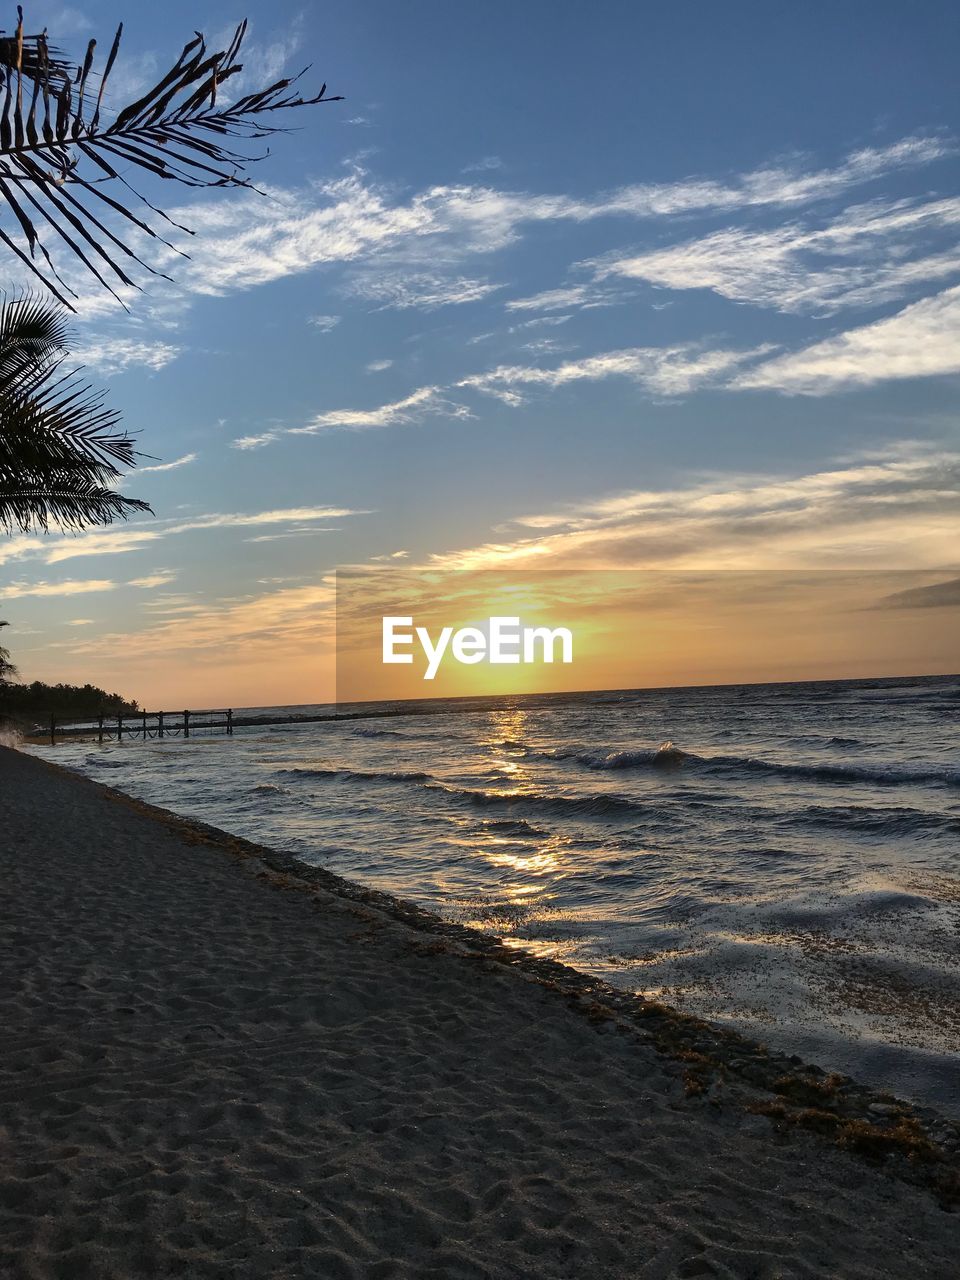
(211, 1070)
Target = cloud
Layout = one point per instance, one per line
(420, 404)
(159, 579)
(546, 346)
(484, 165)
(665, 371)
(539, 322)
(922, 340)
(183, 461)
(113, 355)
(323, 324)
(67, 21)
(131, 77)
(426, 290)
(14, 590)
(290, 620)
(294, 533)
(868, 255)
(132, 536)
(255, 442)
(265, 60)
(246, 240)
(586, 296)
(412, 408)
(379, 366)
(900, 512)
(80, 622)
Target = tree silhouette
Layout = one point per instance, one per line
(60, 447)
(65, 176)
(7, 669)
(62, 160)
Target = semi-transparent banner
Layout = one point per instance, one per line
(413, 634)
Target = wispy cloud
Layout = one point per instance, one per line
(412, 408)
(294, 533)
(324, 324)
(113, 355)
(484, 165)
(868, 255)
(74, 587)
(183, 461)
(582, 296)
(664, 371)
(256, 441)
(401, 290)
(248, 240)
(162, 578)
(902, 511)
(922, 340)
(66, 20)
(295, 620)
(135, 535)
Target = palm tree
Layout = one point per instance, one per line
(60, 449)
(64, 167)
(7, 669)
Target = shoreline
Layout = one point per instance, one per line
(713, 1057)
(715, 1081)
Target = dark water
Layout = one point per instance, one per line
(785, 858)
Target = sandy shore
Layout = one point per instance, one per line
(213, 1069)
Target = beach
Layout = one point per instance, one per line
(216, 1066)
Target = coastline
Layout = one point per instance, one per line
(180, 1034)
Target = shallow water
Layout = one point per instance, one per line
(782, 858)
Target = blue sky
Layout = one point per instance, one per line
(609, 284)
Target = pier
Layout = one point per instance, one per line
(144, 725)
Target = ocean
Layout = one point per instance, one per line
(782, 858)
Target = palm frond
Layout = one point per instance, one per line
(61, 446)
(32, 333)
(63, 502)
(51, 121)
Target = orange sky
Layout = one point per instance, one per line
(634, 629)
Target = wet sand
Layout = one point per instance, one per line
(214, 1068)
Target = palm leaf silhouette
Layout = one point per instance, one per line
(60, 162)
(61, 448)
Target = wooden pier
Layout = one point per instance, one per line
(143, 725)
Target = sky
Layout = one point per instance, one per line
(607, 286)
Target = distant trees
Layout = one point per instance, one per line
(39, 701)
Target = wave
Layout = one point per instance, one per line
(362, 732)
(668, 756)
(358, 775)
(511, 827)
(889, 821)
(874, 775)
(597, 805)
